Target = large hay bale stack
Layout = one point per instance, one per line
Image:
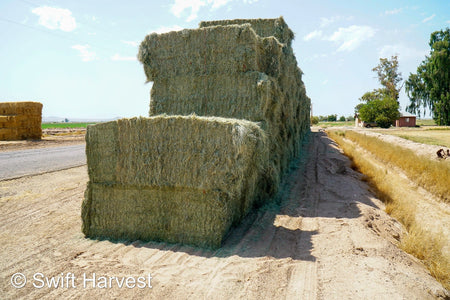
(20, 120)
(188, 179)
(175, 178)
(243, 69)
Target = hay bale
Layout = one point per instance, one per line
(276, 99)
(250, 96)
(188, 179)
(205, 170)
(210, 50)
(263, 27)
(20, 120)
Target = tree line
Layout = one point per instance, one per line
(331, 118)
(428, 89)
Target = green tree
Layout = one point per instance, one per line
(315, 120)
(382, 111)
(381, 105)
(342, 119)
(332, 118)
(430, 86)
(389, 77)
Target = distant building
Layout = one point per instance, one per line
(406, 120)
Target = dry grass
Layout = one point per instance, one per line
(430, 174)
(431, 136)
(393, 190)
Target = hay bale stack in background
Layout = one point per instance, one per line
(20, 120)
(188, 179)
(175, 178)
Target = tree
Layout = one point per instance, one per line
(382, 111)
(315, 120)
(381, 105)
(430, 86)
(332, 118)
(389, 76)
(342, 119)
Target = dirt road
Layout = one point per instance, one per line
(19, 163)
(328, 238)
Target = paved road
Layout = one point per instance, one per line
(14, 164)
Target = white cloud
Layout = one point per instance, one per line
(164, 29)
(350, 38)
(117, 57)
(448, 22)
(403, 52)
(325, 82)
(312, 35)
(324, 22)
(218, 3)
(393, 12)
(429, 18)
(85, 53)
(131, 43)
(179, 6)
(55, 18)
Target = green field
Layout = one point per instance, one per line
(65, 125)
(425, 122)
(337, 123)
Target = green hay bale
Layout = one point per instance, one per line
(198, 159)
(176, 215)
(263, 27)
(276, 99)
(251, 96)
(210, 50)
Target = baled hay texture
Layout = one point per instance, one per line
(20, 108)
(20, 120)
(252, 96)
(207, 169)
(8, 134)
(263, 27)
(188, 216)
(210, 50)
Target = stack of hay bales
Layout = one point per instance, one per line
(243, 69)
(180, 179)
(20, 120)
(228, 112)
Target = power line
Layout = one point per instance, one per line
(54, 34)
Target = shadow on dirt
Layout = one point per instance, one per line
(320, 184)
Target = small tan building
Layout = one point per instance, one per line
(20, 120)
(406, 120)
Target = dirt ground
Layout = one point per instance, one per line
(327, 238)
(52, 137)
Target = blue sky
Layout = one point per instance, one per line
(79, 57)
